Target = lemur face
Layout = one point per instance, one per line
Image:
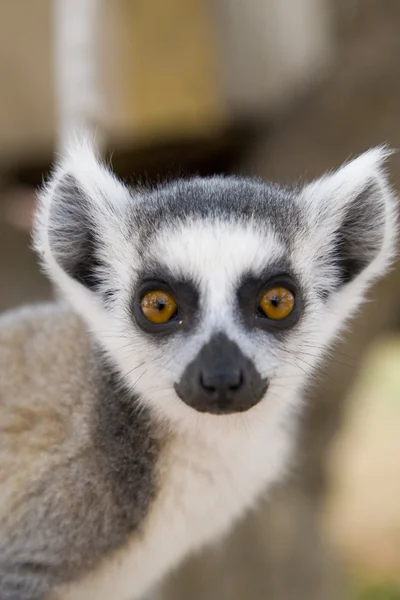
(215, 300)
(215, 296)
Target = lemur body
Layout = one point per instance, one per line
(127, 439)
(189, 481)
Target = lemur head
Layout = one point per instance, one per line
(215, 296)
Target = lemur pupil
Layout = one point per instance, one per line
(160, 305)
(275, 302)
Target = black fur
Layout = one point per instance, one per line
(359, 238)
(72, 237)
(184, 291)
(251, 288)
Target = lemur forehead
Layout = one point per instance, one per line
(208, 250)
(217, 198)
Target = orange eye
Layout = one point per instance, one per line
(158, 307)
(277, 303)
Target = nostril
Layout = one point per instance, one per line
(237, 381)
(207, 384)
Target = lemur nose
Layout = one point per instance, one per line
(222, 384)
(221, 379)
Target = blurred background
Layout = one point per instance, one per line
(281, 89)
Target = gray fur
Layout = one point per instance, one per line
(238, 199)
(268, 204)
(225, 198)
(91, 504)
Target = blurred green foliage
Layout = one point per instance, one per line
(378, 592)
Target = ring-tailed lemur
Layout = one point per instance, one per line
(144, 415)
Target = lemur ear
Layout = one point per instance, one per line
(80, 209)
(352, 216)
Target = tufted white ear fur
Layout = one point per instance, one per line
(80, 229)
(352, 216)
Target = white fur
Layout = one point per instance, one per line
(325, 201)
(208, 484)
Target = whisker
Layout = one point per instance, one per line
(329, 350)
(332, 360)
(137, 367)
(138, 379)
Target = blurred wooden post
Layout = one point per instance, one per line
(78, 90)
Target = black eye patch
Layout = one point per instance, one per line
(184, 293)
(252, 290)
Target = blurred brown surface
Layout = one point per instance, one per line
(278, 551)
(154, 90)
(175, 69)
(27, 112)
(362, 514)
(20, 281)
